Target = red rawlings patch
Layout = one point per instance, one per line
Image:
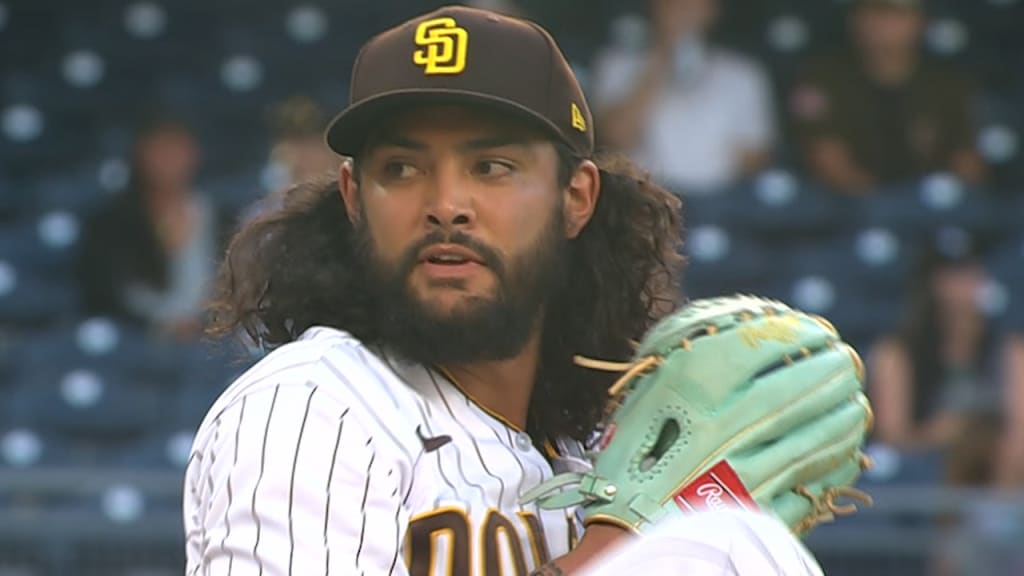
(715, 489)
(606, 437)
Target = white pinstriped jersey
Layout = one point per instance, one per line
(314, 462)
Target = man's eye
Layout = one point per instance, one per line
(400, 170)
(493, 168)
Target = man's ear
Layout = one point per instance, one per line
(580, 197)
(348, 185)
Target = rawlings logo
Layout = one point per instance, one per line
(712, 495)
(777, 329)
(718, 488)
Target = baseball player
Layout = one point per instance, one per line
(422, 313)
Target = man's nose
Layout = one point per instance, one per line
(451, 201)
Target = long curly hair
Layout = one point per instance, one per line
(297, 266)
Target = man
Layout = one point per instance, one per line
(298, 150)
(699, 116)
(424, 311)
(883, 113)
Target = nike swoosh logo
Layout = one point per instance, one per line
(433, 443)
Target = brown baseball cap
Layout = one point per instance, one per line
(464, 55)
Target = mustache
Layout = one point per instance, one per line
(489, 256)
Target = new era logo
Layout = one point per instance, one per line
(578, 121)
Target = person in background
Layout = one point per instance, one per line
(939, 384)
(299, 150)
(149, 257)
(1010, 464)
(881, 112)
(697, 115)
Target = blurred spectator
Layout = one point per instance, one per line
(1010, 468)
(299, 149)
(882, 112)
(695, 114)
(149, 257)
(937, 385)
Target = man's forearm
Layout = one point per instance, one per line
(596, 539)
(549, 569)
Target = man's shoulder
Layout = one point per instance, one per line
(339, 365)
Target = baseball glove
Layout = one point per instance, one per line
(732, 401)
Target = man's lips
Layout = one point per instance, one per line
(450, 254)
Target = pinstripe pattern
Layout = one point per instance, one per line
(369, 409)
(362, 507)
(291, 487)
(227, 518)
(472, 442)
(317, 467)
(327, 491)
(398, 537)
(263, 462)
(425, 412)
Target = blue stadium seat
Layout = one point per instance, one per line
(208, 371)
(94, 381)
(928, 204)
(43, 242)
(778, 203)
(12, 197)
(831, 279)
(1006, 264)
(1007, 210)
(28, 299)
(102, 343)
(23, 558)
(893, 467)
(717, 208)
(76, 190)
(31, 446)
(722, 261)
(161, 449)
(84, 404)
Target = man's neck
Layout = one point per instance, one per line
(501, 387)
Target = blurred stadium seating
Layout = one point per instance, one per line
(96, 417)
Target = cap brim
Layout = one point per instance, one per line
(347, 132)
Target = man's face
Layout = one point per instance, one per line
(880, 28)
(674, 19)
(168, 157)
(462, 226)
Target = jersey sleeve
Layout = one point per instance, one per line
(297, 482)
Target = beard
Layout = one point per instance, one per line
(478, 329)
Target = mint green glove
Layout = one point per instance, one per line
(732, 401)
